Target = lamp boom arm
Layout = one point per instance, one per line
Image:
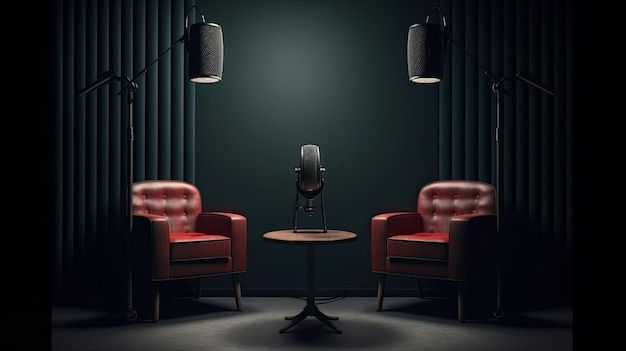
(448, 38)
(145, 69)
(482, 67)
(534, 84)
(103, 79)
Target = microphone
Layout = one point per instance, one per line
(310, 175)
(309, 182)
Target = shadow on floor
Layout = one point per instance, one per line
(204, 307)
(538, 319)
(171, 310)
(445, 310)
(358, 333)
(430, 307)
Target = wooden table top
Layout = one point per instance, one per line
(313, 237)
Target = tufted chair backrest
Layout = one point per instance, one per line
(439, 201)
(177, 200)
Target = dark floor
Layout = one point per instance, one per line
(210, 323)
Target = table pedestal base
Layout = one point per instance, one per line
(313, 311)
(311, 308)
(310, 239)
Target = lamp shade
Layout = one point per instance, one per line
(206, 52)
(424, 48)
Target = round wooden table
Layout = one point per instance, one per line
(310, 239)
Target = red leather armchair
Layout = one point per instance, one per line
(450, 236)
(174, 239)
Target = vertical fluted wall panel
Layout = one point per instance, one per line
(152, 90)
(178, 90)
(165, 92)
(445, 107)
(471, 91)
(533, 38)
(92, 37)
(190, 116)
(458, 90)
(57, 113)
(139, 61)
(485, 127)
(68, 143)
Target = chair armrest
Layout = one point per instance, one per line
(471, 246)
(390, 224)
(151, 246)
(232, 225)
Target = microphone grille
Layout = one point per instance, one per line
(310, 179)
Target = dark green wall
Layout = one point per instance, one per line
(331, 73)
(326, 72)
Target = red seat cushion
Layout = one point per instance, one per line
(190, 246)
(429, 246)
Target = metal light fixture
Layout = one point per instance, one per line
(206, 52)
(424, 52)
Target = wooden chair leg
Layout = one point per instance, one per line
(199, 291)
(237, 288)
(156, 301)
(460, 300)
(382, 282)
(420, 290)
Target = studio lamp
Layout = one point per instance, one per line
(309, 184)
(204, 46)
(426, 53)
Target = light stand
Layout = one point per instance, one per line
(497, 86)
(130, 89)
(426, 53)
(204, 44)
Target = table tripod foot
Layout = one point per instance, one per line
(294, 320)
(326, 320)
(332, 318)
